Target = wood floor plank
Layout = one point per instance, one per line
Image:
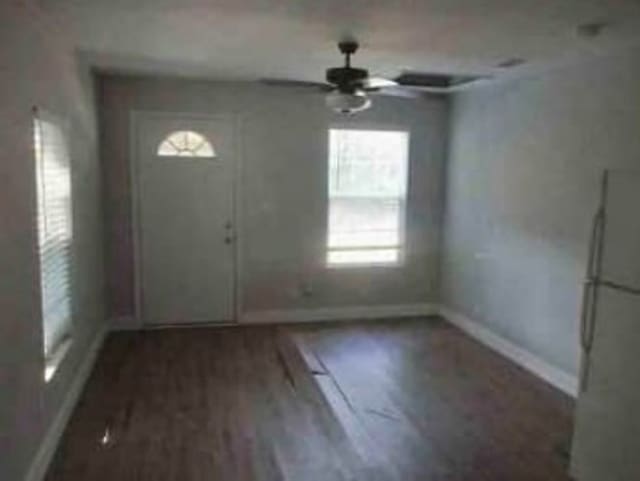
(394, 400)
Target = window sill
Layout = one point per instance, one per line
(53, 361)
(365, 266)
(365, 258)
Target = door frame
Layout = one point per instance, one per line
(135, 117)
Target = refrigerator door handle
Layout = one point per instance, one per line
(587, 311)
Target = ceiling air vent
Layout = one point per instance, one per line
(435, 81)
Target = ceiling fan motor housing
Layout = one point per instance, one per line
(347, 79)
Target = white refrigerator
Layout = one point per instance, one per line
(606, 441)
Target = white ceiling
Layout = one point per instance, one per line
(250, 39)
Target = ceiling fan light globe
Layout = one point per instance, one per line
(347, 103)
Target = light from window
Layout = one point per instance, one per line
(55, 236)
(185, 143)
(367, 193)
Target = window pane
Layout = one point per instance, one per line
(367, 188)
(185, 143)
(371, 256)
(167, 149)
(365, 163)
(371, 222)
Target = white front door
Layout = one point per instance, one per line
(185, 182)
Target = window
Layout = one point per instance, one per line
(185, 143)
(55, 236)
(367, 192)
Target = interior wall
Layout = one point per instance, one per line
(522, 185)
(39, 67)
(283, 191)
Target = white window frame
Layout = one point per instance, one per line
(401, 247)
(55, 352)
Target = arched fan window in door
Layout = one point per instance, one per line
(186, 143)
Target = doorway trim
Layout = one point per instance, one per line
(135, 116)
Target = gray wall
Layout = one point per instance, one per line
(38, 68)
(283, 185)
(523, 177)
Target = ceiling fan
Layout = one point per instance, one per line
(348, 87)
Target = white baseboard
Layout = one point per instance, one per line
(559, 378)
(337, 313)
(274, 316)
(47, 449)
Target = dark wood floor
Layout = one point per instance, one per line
(397, 400)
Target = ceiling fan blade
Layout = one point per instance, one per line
(279, 82)
(398, 91)
(378, 83)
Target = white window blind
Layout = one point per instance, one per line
(367, 196)
(55, 230)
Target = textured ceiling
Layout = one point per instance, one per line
(249, 39)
